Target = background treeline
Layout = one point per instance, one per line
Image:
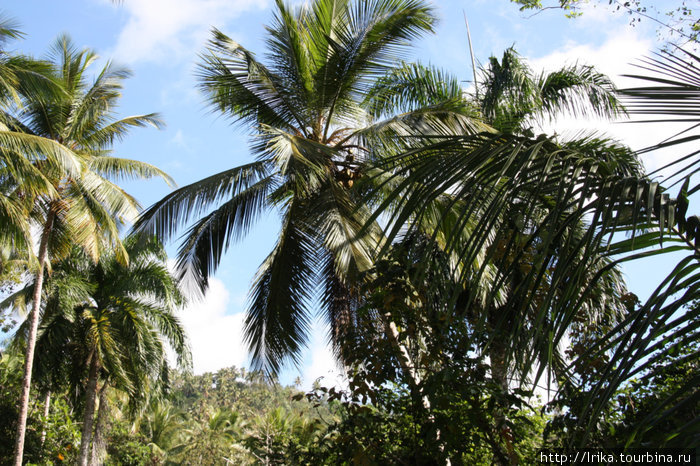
(239, 417)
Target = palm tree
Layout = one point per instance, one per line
(110, 321)
(511, 98)
(163, 425)
(646, 343)
(310, 113)
(82, 207)
(600, 197)
(626, 201)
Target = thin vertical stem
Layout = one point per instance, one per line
(31, 340)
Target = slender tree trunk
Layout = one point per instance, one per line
(499, 373)
(99, 444)
(404, 358)
(47, 404)
(89, 416)
(31, 341)
(405, 361)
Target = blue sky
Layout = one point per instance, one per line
(160, 41)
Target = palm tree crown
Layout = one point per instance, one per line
(112, 322)
(308, 109)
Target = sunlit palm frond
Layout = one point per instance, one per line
(512, 97)
(237, 84)
(9, 29)
(412, 86)
(166, 216)
(34, 149)
(106, 136)
(119, 169)
(578, 91)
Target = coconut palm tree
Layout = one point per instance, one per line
(163, 425)
(111, 321)
(308, 109)
(513, 98)
(82, 207)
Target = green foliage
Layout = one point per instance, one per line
(512, 97)
(395, 428)
(645, 399)
(126, 448)
(499, 246)
(233, 414)
(425, 393)
(62, 431)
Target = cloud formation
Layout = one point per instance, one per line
(216, 336)
(615, 57)
(160, 30)
(323, 366)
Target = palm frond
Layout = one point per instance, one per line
(118, 169)
(412, 86)
(208, 239)
(165, 217)
(9, 29)
(277, 320)
(237, 84)
(578, 91)
(106, 136)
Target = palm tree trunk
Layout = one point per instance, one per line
(47, 404)
(499, 373)
(89, 416)
(99, 444)
(31, 340)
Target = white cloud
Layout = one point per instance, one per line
(169, 29)
(323, 368)
(180, 141)
(323, 365)
(614, 57)
(216, 336)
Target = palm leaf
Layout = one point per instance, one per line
(277, 321)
